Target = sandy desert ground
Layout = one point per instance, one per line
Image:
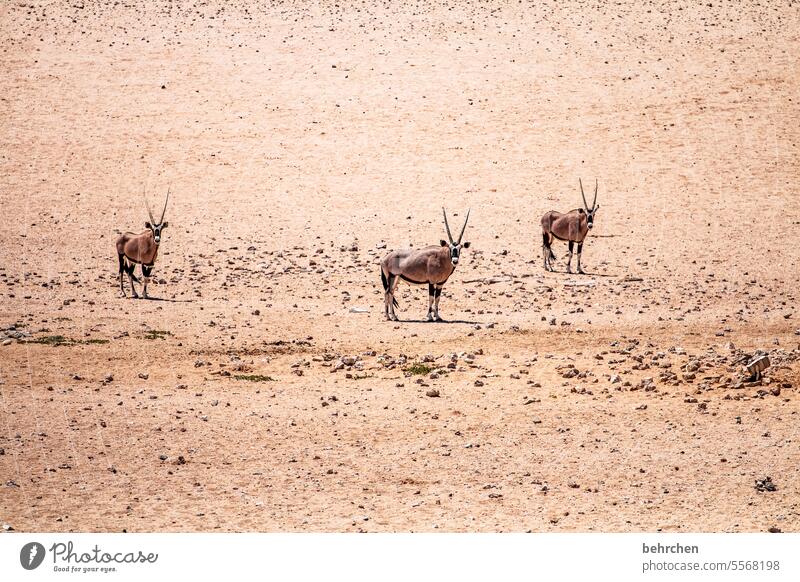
(264, 391)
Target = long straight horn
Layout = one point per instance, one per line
(149, 212)
(463, 228)
(595, 193)
(165, 206)
(447, 226)
(583, 195)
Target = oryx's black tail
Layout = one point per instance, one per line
(547, 247)
(386, 287)
(126, 267)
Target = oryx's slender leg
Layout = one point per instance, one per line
(386, 301)
(546, 250)
(580, 248)
(394, 280)
(431, 292)
(437, 294)
(146, 271)
(569, 258)
(121, 274)
(129, 269)
(388, 298)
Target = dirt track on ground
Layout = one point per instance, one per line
(264, 391)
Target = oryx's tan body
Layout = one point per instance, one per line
(571, 227)
(140, 249)
(430, 265)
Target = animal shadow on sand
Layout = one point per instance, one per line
(587, 274)
(166, 299)
(444, 321)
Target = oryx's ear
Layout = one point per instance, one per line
(596, 208)
(148, 225)
(466, 245)
(443, 243)
(164, 224)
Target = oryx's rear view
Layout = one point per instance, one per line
(140, 249)
(571, 227)
(432, 265)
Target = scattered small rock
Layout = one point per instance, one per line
(765, 484)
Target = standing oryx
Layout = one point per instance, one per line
(140, 249)
(571, 227)
(432, 265)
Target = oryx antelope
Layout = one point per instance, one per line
(140, 249)
(432, 265)
(571, 227)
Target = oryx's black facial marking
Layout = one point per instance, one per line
(590, 218)
(455, 254)
(455, 250)
(156, 229)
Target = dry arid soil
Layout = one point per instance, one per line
(262, 389)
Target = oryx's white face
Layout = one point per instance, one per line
(156, 229)
(454, 246)
(590, 212)
(590, 216)
(455, 250)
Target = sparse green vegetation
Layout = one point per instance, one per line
(362, 377)
(419, 369)
(52, 340)
(153, 334)
(60, 340)
(254, 378)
